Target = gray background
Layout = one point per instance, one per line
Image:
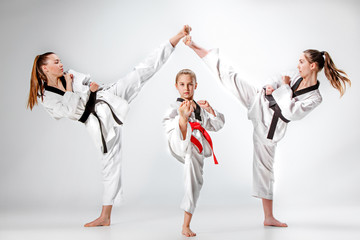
(48, 164)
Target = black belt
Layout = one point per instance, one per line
(90, 109)
(277, 114)
(277, 111)
(274, 120)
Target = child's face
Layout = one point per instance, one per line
(186, 86)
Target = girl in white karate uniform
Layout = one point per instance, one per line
(102, 108)
(186, 122)
(286, 99)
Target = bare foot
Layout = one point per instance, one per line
(186, 231)
(274, 223)
(101, 221)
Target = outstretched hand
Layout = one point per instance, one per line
(206, 106)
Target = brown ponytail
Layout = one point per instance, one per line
(37, 80)
(338, 78)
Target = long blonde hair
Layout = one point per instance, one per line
(338, 78)
(37, 80)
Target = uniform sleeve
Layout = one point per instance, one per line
(81, 78)
(291, 108)
(276, 80)
(129, 86)
(81, 81)
(177, 144)
(63, 107)
(214, 123)
(229, 78)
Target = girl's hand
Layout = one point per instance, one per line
(68, 78)
(286, 80)
(206, 106)
(185, 110)
(269, 90)
(94, 87)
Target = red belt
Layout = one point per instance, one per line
(197, 126)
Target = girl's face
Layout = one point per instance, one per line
(305, 67)
(186, 86)
(54, 67)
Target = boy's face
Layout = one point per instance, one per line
(186, 86)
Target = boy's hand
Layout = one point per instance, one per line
(206, 106)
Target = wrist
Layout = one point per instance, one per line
(180, 35)
(183, 120)
(211, 110)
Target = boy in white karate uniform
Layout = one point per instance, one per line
(186, 122)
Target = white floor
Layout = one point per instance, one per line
(133, 223)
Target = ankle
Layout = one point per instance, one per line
(269, 216)
(105, 216)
